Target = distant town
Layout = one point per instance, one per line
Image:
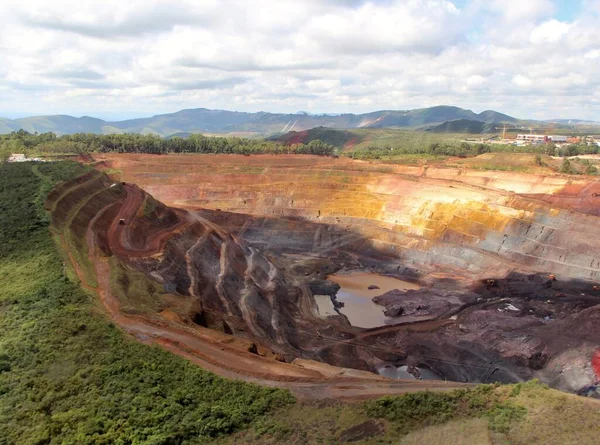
(559, 140)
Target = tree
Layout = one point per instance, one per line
(566, 167)
(4, 153)
(550, 149)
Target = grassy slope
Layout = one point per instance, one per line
(67, 375)
(401, 138)
(522, 414)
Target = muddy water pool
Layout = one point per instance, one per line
(325, 305)
(401, 372)
(355, 294)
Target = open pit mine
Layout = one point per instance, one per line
(331, 275)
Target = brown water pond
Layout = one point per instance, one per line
(355, 294)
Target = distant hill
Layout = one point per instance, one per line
(331, 136)
(181, 134)
(6, 126)
(577, 122)
(464, 126)
(60, 124)
(202, 120)
(493, 117)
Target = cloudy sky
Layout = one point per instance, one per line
(117, 59)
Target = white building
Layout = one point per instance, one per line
(559, 139)
(17, 157)
(532, 137)
(20, 157)
(541, 138)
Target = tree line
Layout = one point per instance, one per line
(82, 143)
(462, 149)
(465, 149)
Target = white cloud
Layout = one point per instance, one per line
(154, 56)
(522, 10)
(550, 31)
(594, 54)
(522, 81)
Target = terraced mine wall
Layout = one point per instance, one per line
(507, 277)
(435, 217)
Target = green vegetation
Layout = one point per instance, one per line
(585, 166)
(538, 160)
(82, 143)
(521, 414)
(332, 136)
(464, 126)
(508, 413)
(135, 292)
(149, 206)
(427, 408)
(67, 375)
(461, 149)
(408, 141)
(388, 144)
(566, 166)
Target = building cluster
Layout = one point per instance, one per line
(525, 139)
(544, 139)
(20, 157)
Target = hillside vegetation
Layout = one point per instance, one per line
(82, 143)
(521, 414)
(67, 375)
(331, 136)
(464, 126)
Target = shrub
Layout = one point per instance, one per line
(411, 411)
(538, 160)
(503, 414)
(566, 167)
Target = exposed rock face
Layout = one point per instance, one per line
(484, 221)
(324, 287)
(435, 303)
(394, 310)
(483, 250)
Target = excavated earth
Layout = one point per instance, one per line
(507, 262)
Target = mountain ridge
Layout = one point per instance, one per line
(204, 120)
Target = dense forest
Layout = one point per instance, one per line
(81, 143)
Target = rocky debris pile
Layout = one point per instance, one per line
(324, 287)
(424, 302)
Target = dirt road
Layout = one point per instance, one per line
(118, 233)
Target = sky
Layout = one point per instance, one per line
(115, 59)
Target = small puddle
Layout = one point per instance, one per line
(325, 305)
(355, 294)
(401, 372)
